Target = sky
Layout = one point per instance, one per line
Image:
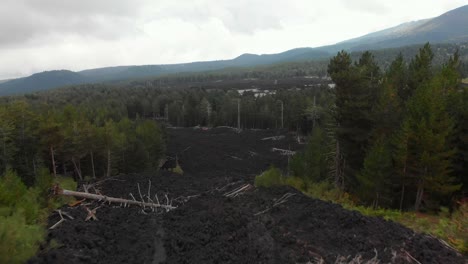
(40, 35)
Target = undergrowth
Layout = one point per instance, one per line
(178, 170)
(271, 177)
(452, 229)
(23, 214)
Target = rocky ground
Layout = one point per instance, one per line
(278, 225)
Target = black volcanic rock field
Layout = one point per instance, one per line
(277, 225)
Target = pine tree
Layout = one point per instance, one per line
(375, 177)
(8, 147)
(400, 156)
(52, 136)
(429, 153)
(420, 70)
(356, 93)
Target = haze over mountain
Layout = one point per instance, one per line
(450, 27)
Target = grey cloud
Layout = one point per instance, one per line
(241, 16)
(22, 21)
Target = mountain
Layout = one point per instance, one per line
(41, 81)
(450, 27)
(245, 60)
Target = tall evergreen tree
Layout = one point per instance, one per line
(356, 93)
(420, 70)
(429, 153)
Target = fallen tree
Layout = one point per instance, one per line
(103, 198)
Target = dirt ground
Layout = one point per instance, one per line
(207, 227)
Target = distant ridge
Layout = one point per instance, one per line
(450, 27)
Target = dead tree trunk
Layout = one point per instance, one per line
(78, 170)
(92, 164)
(53, 161)
(108, 162)
(104, 198)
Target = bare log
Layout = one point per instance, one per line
(274, 138)
(98, 197)
(285, 152)
(281, 200)
(239, 190)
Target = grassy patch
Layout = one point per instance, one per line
(269, 178)
(178, 170)
(465, 81)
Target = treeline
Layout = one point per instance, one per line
(397, 138)
(193, 106)
(75, 141)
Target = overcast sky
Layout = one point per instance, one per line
(39, 35)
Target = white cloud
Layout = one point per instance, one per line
(64, 34)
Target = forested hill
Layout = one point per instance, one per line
(447, 28)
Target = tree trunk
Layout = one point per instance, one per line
(375, 204)
(337, 165)
(78, 171)
(92, 164)
(108, 162)
(403, 187)
(402, 196)
(419, 196)
(34, 166)
(53, 161)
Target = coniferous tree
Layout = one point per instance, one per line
(356, 94)
(375, 178)
(429, 152)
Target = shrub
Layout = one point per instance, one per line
(20, 229)
(296, 183)
(178, 170)
(269, 178)
(19, 241)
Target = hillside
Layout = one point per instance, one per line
(41, 81)
(447, 28)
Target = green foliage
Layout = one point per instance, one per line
(66, 182)
(356, 95)
(403, 131)
(375, 177)
(178, 170)
(11, 188)
(269, 178)
(20, 214)
(19, 240)
(296, 182)
(311, 164)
